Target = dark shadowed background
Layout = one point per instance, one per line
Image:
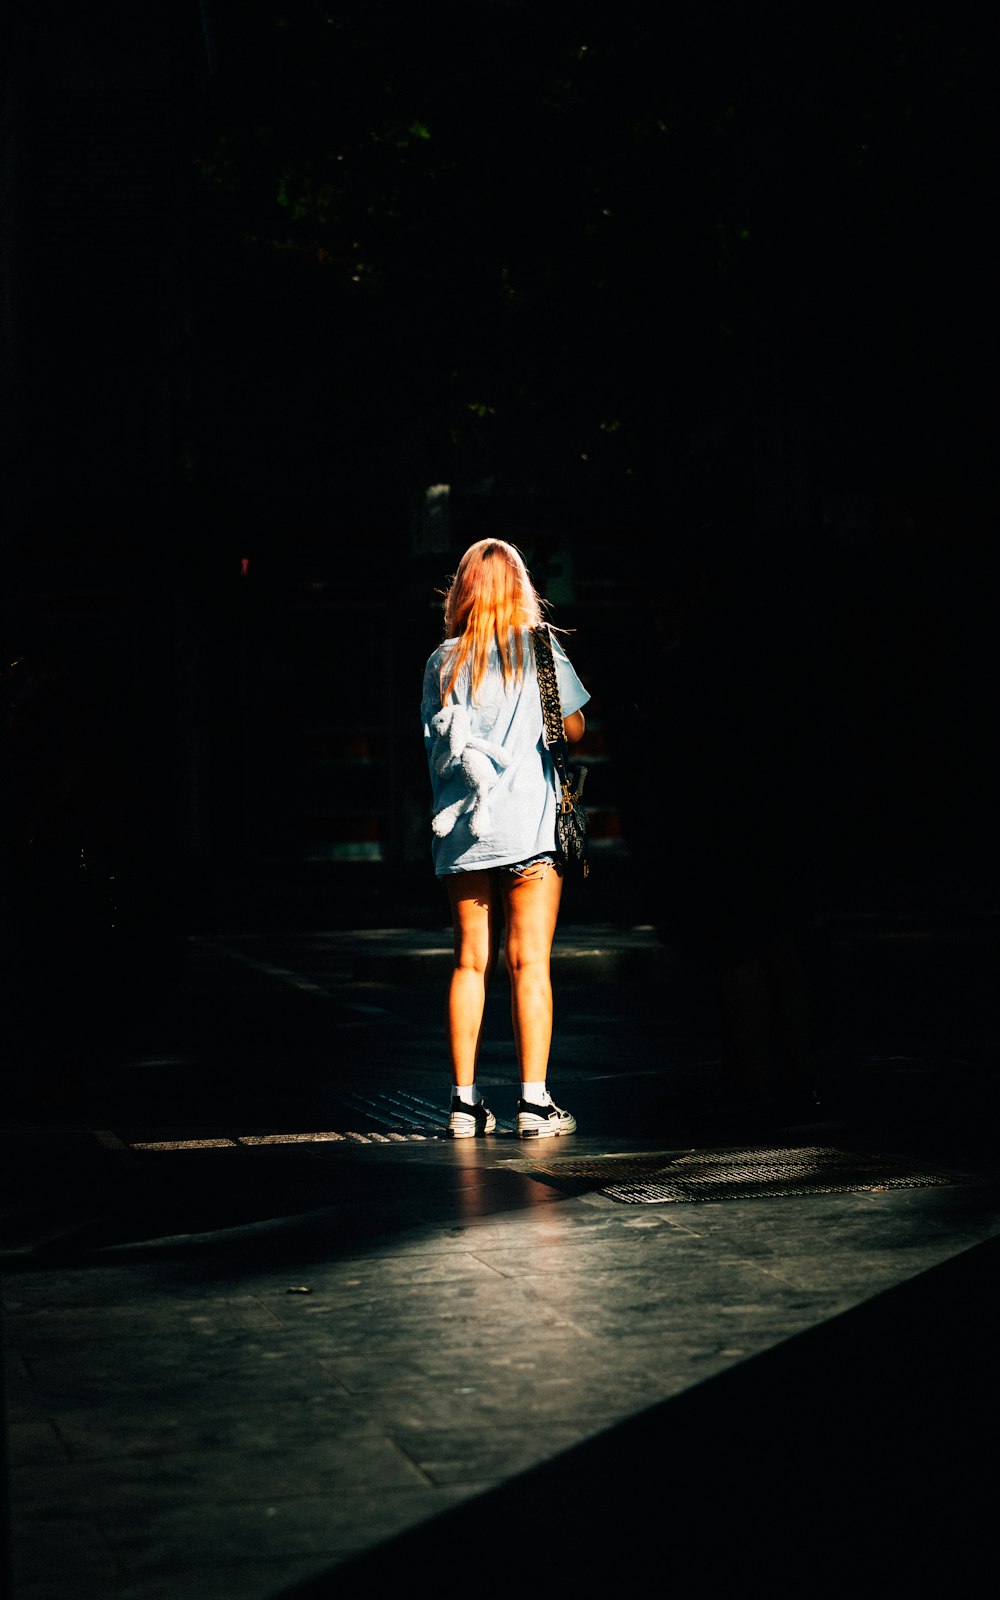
(691, 303)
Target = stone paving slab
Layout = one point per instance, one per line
(254, 1371)
(318, 1425)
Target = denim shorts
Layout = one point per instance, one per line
(547, 858)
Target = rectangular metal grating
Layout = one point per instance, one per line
(700, 1175)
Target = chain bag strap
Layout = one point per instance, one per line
(572, 822)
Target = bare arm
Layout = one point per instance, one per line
(574, 727)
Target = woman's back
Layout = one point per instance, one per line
(492, 779)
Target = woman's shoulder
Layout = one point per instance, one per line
(438, 654)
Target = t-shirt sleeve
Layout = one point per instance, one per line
(572, 695)
(430, 698)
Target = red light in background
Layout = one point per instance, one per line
(244, 566)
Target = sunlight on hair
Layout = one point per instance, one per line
(490, 600)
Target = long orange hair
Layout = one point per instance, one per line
(490, 600)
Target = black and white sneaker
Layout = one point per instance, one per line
(465, 1122)
(542, 1122)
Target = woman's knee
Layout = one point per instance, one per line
(528, 959)
(475, 961)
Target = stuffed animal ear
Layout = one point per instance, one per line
(458, 732)
(443, 760)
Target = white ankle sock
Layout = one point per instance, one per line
(536, 1094)
(467, 1093)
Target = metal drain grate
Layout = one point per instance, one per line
(741, 1175)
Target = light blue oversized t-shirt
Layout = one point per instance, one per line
(493, 782)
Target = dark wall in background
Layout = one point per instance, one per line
(694, 311)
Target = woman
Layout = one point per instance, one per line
(494, 802)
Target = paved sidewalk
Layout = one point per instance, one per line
(269, 1333)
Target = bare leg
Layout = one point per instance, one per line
(531, 910)
(475, 916)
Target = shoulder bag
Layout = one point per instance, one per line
(572, 822)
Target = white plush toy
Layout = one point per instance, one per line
(456, 751)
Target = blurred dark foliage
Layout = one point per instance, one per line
(583, 244)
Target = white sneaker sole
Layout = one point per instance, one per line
(529, 1127)
(461, 1126)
